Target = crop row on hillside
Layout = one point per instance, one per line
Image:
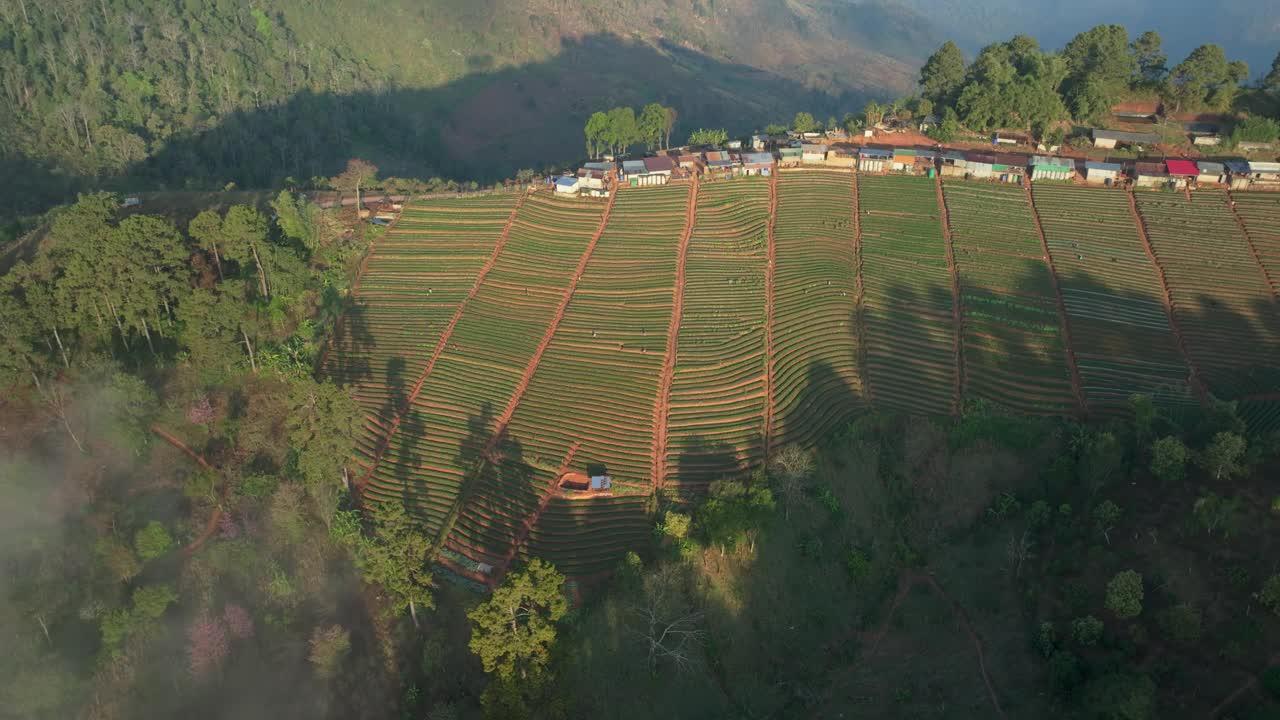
(1259, 212)
(412, 283)
(910, 333)
(817, 381)
(452, 421)
(1113, 296)
(1222, 301)
(716, 409)
(1015, 355)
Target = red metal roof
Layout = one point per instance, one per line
(659, 164)
(1182, 167)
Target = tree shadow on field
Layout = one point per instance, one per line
(702, 462)
(497, 492)
(348, 361)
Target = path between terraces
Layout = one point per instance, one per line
(552, 491)
(768, 315)
(1077, 387)
(957, 319)
(500, 425)
(1257, 257)
(860, 296)
(662, 402)
(1197, 385)
(441, 343)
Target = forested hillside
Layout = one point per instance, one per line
(199, 94)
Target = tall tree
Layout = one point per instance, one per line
(397, 556)
(624, 131)
(1205, 79)
(804, 123)
(323, 421)
(671, 115)
(943, 74)
(1100, 68)
(1272, 80)
(244, 233)
(513, 630)
(358, 174)
(653, 124)
(1151, 60)
(597, 132)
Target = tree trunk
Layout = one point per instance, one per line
(45, 628)
(67, 424)
(262, 272)
(346, 479)
(23, 4)
(65, 362)
(146, 332)
(119, 325)
(217, 260)
(413, 612)
(249, 346)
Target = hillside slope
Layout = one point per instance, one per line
(229, 93)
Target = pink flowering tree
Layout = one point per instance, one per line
(207, 645)
(238, 621)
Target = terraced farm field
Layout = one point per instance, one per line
(1124, 343)
(1221, 296)
(910, 333)
(715, 421)
(505, 347)
(817, 383)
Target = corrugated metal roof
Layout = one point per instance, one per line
(600, 166)
(1050, 161)
(1239, 167)
(980, 158)
(808, 148)
(790, 152)
(1147, 168)
(1181, 167)
(1210, 168)
(1264, 167)
(762, 158)
(1122, 136)
(875, 152)
(633, 166)
(661, 163)
(953, 155)
(1107, 167)
(567, 181)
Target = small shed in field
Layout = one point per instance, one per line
(1101, 173)
(759, 163)
(979, 165)
(904, 159)
(1210, 172)
(1044, 167)
(1181, 171)
(790, 155)
(1250, 146)
(1237, 174)
(874, 160)
(813, 154)
(1110, 139)
(951, 164)
(1149, 174)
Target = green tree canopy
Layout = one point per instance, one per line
(804, 122)
(1206, 79)
(1151, 60)
(942, 74)
(397, 556)
(513, 631)
(1124, 594)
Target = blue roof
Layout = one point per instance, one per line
(633, 166)
(875, 152)
(599, 165)
(1109, 167)
(1238, 167)
(567, 181)
(953, 155)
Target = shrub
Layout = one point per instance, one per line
(1046, 641)
(152, 541)
(1065, 673)
(1270, 594)
(1086, 630)
(1271, 680)
(857, 564)
(1181, 624)
(1124, 594)
(1169, 459)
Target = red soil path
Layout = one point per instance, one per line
(530, 522)
(662, 401)
(957, 403)
(500, 425)
(1077, 387)
(1257, 257)
(768, 316)
(860, 294)
(1197, 385)
(211, 524)
(441, 343)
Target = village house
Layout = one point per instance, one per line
(1182, 172)
(952, 164)
(1101, 173)
(1264, 174)
(1111, 139)
(842, 157)
(1149, 174)
(1044, 167)
(567, 185)
(692, 162)
(605, 167)
(813, 154)
(719, 162)
(1238, 175)
(874, 160)
(1210, 172)
(760, 163)
(591, 181)
(790, 156)
(1010, 167)
(979, 165)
